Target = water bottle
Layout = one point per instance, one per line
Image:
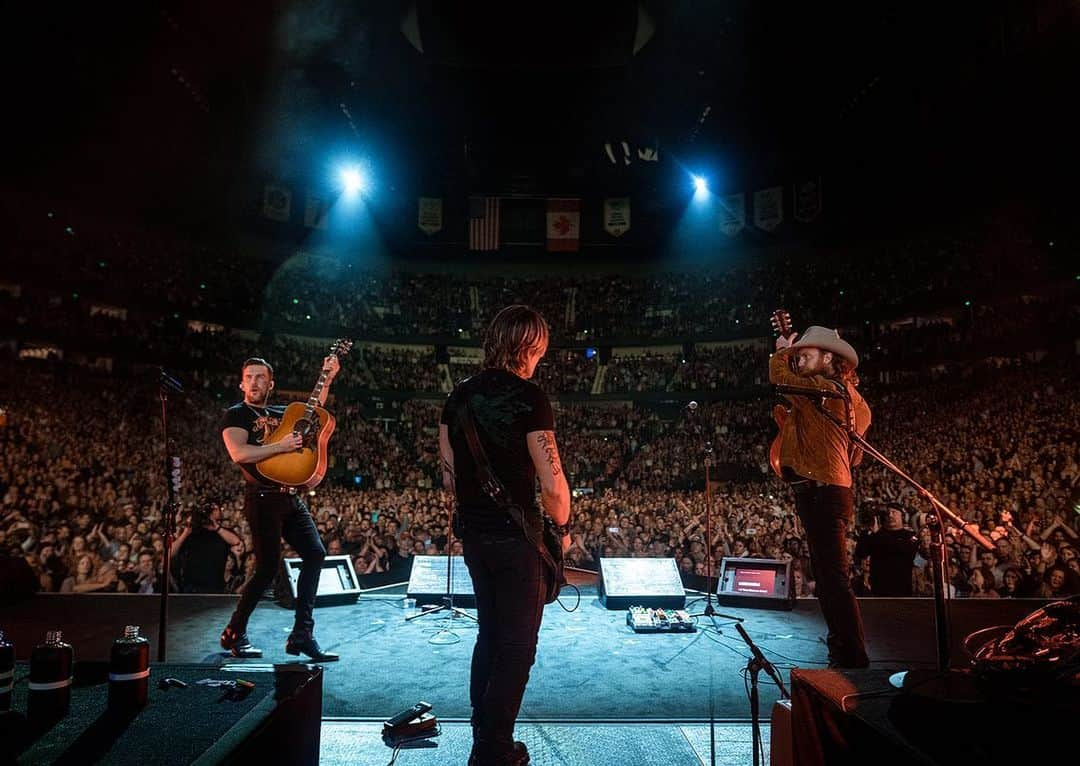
(7, 672)
(129, 671)
(51, 666)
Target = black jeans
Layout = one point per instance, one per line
(508, 579)
(825, 513)
(273, 515)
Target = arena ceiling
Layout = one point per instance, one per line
(188, 97)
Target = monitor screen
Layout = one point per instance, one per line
(761, 581)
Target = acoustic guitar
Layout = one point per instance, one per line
(306, 466)
(781, 323)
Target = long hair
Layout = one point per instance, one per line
(844, 370)
(513, 333)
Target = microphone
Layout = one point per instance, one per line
(765, 664)
(813, 393)
(168, 381)
(692, 406)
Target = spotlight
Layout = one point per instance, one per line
(353, 180)
(701, 186)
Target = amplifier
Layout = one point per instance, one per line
(626, 582)
(427, 581)
(755, 583)
(337, 582)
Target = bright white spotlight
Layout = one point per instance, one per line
(701, 186)
(352, 179)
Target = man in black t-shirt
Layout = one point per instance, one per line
(516, 426)
(273, 511)
(201, 549)
(892, 554)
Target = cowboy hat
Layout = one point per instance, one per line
(827, 340)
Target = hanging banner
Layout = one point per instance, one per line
(277, 202)
(563, 225)
(732, 214)
(315, 211)
(483, 223)
(808, 200)
(769, 208)
(429, 215)
(617, 216)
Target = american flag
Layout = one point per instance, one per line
(483, 223)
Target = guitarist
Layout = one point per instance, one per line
(816, 457)
(516, 428)
(273, 511)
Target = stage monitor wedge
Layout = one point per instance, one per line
(755, 583)
(427, 581)
(649, 582)
(337, 582)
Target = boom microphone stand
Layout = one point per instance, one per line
(756, 664)
(707, 451)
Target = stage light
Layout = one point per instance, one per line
(590, 353)
(353, 180)
(701, 186)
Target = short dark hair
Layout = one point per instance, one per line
(252, 361)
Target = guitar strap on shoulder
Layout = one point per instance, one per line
(490, 483)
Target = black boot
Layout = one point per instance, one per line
(518, 756)
(238, 645)
(309, 646)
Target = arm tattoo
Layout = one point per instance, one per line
(546, 440)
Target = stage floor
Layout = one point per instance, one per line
(590, 666)
(347, 742)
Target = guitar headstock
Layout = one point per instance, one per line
(341, 347)
(781, 322)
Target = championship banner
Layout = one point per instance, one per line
(277, 202)
(732, 214)
(563, 225)
(808, 201)
(315, 211)
(617, 216)
(769, 208)
(429, 215)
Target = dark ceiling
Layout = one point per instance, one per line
(196, 100)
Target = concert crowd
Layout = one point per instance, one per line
(972, 387)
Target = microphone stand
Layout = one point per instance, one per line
(167, 383)
(448, 599)
(941, 514)
(709, 611)
(756, 664)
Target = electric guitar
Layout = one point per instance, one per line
(306, 466)
(781, 323)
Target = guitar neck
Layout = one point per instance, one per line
(316, 392)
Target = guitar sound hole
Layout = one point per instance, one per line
(302, 427)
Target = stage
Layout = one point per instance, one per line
(590, 666)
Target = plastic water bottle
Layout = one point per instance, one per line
(51, 665)
(129, 671)
(7, 672)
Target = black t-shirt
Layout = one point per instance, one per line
(892, 553)
(505, 408)
(204, 553)
(259, 422)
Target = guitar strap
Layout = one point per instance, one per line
(492, 486)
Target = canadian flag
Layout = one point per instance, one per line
(563, 225)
